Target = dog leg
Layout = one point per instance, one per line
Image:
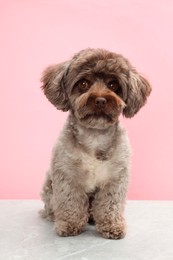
(46, 196)
(70, 208)
(108, 208)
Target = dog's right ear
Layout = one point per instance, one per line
(54, 87)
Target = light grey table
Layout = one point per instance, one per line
(24, 235)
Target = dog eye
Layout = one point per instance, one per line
(113, 85)
(83, 84)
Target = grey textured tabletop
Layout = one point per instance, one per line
(24, 235)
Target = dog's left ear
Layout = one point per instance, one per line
(54, 87)
(138, 90)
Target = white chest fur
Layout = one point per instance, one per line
(96, 172)
(82, 162)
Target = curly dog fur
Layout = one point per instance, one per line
(89, 172)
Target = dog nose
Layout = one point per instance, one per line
(100, 102)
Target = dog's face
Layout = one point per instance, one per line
(97, 86)
(96, 99)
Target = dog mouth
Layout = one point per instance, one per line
(98, 111)
(97, 116)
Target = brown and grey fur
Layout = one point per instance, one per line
(89, 171)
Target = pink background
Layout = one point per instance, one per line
(36, 33)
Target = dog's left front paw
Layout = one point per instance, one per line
(115, 230)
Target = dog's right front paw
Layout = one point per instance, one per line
(65, 229)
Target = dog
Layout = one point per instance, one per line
(89, 171)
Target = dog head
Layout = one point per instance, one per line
(97, 86)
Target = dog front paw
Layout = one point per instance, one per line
(115, 230)
(65, 229)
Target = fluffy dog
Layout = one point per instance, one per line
(89, 172)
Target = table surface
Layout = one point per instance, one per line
(24, 235)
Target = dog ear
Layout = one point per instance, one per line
(54, 87)
(138, 91)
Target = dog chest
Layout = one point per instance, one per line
(96, 173)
